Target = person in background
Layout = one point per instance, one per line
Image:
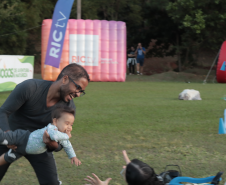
(131, 61)
(140, 51)
(135, 172)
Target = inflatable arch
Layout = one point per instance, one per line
(221, 65)
(99, 46)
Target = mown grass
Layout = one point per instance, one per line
(147, 120)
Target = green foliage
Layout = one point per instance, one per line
(180, 27)
(17, 16)
(12, 20)
(36, 11)
(201, 23)
(159, 26)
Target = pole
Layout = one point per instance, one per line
(211, 67)
(78, 9)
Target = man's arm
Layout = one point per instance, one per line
(51, 145)
(16, 99)
(143, 50)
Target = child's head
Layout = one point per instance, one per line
(63, 118)
(139, 173)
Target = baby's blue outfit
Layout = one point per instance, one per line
(35, 144)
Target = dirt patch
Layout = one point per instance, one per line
(159, 65)
(172, 76)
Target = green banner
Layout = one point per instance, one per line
(14, 69)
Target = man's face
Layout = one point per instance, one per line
(70, 91)
(132, 48)
(139, 45)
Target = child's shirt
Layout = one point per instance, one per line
(35, 144)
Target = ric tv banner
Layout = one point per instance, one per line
(60, 18)
(97, 45)
(14, 69)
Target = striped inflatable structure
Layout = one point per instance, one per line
(98, 45)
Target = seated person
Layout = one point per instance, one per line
(135, 172)
(32, 142)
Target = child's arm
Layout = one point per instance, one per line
(68, 148)
(70, 152)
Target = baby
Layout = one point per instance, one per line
(32, 142)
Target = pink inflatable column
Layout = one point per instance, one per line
(121, 50)
(89, 39)
(104, 39)
(113, 51)
(81, 41)
(46, 69)
(73, 58)
(97, 69)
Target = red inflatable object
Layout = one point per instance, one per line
(221, 68)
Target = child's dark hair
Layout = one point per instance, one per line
(140, 173)
(57, 112)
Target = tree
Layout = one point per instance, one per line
(35, 11)
(20, 22)
(12, 20)
(201, 23)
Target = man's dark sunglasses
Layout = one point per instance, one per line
(78, 87)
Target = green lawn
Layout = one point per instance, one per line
(147, 120)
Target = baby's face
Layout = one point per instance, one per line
(65, 122)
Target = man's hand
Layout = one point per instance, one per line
(96, 181)
(76, 161)
(52, 145)
(13, 147)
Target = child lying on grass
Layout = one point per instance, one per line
(135, 172)
(32, 142)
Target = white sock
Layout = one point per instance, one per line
(5, 142)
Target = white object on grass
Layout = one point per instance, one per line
(189, 94)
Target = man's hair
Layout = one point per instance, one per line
(140, 173)
(57, 112)
(74, 71)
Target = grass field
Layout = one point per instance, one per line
(147, 120)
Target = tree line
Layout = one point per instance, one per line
(180, 27)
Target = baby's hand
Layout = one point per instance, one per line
(76, 161)
(68, 133)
